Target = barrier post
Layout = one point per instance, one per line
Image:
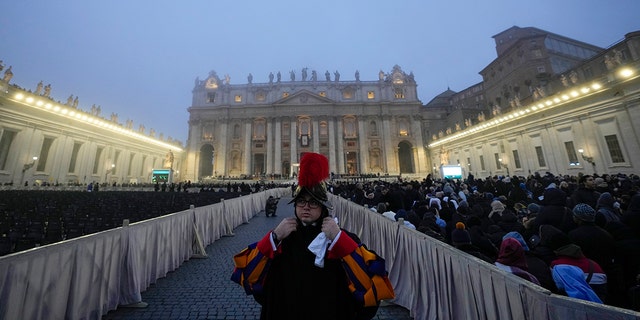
(199, 251)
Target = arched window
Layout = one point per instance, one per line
(236, 131)
(373, 128)
(349, 127)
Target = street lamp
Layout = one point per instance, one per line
(587, 159)
(502, 164)
(110, 170)
(29, 165)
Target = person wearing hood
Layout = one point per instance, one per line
(605, 211)
(511, 259)
(554, 211)
(537, 266)
(461, 240)
(568, 253)
(309, 259)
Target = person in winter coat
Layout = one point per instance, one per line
(308, 260)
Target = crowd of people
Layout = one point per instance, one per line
(574, 235)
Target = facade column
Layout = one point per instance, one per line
(421, 165)
(269, 154)
(339, 137)
(332, 145)
(293, 143)
(316, 136)
(220, 155)
(363, 149)
(247, 147)
(278, 148)
(390, 152)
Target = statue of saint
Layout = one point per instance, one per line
(573, 76)
(279, 76)
(75, 102)
(227, 79)
(304, 74)
(336, 75)
(39, 87)
(270, 77)
(327, 75)
(69, 101)
(314, 76)
(357, 75)
(250, 78)
(8, 74)
(381, 75)
(292, 75)
(47, 90)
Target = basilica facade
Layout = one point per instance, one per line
(263, 129)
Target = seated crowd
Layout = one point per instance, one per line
(31, 218)
(576, 236)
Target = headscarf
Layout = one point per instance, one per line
(512, 254)
(571, 279)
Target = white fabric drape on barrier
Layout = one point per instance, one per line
(436, 281)
(86, 277)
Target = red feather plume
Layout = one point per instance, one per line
(314, 168)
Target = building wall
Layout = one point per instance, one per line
(67, 141)
(574, 114)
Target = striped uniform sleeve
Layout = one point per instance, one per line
(368, 278)
(252, 264)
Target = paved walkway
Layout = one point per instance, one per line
(202, 289)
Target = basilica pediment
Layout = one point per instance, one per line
(304, 97)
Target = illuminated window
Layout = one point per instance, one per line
(285, 94)
(371, 95)
(323, 128)
(398, 93)
(323, 93)
(238, 98)
(403, 128)
(347, 94)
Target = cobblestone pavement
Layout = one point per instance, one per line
(202, 289)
